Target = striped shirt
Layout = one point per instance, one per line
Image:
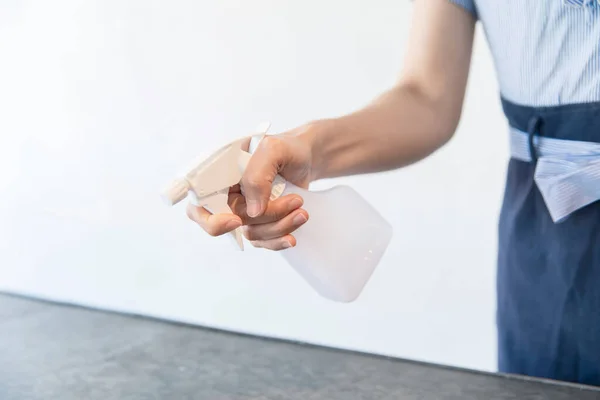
(546, 52)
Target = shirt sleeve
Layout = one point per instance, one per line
(468, 5)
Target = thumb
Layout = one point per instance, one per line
(260, 172)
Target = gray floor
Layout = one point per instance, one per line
(50, 351)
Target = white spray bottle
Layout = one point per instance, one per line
(336, 250)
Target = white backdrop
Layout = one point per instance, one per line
(102, 102)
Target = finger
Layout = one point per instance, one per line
(277, 229)
(275, 210)
(258, 177)
(275, 244)
(237, 203)
(213, 224)
(235, 189)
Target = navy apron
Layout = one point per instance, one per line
(548, 282)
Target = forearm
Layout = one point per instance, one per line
(402, 126)
(417, 116)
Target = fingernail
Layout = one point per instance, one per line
(253, 208)
(233, 224)
(287, 244)
(296, 203)
(299, 219)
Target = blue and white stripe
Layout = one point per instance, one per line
(567, 172)
(546, 52)
(582, 3)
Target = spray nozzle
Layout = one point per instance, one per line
(207, 183)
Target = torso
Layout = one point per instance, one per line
(547, 58)
(546, 52)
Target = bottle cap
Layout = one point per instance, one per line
(175, 192)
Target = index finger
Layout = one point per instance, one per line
(213, 224)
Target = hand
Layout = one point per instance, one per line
(267, 224)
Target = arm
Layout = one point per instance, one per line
(415, 117)
(403, 125)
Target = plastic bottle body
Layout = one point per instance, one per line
(340, 245)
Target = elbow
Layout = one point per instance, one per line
(441, 108)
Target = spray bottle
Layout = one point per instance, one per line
(336, 250)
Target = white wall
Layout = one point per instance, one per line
(102, 101)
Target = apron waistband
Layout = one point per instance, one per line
(567, 172)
